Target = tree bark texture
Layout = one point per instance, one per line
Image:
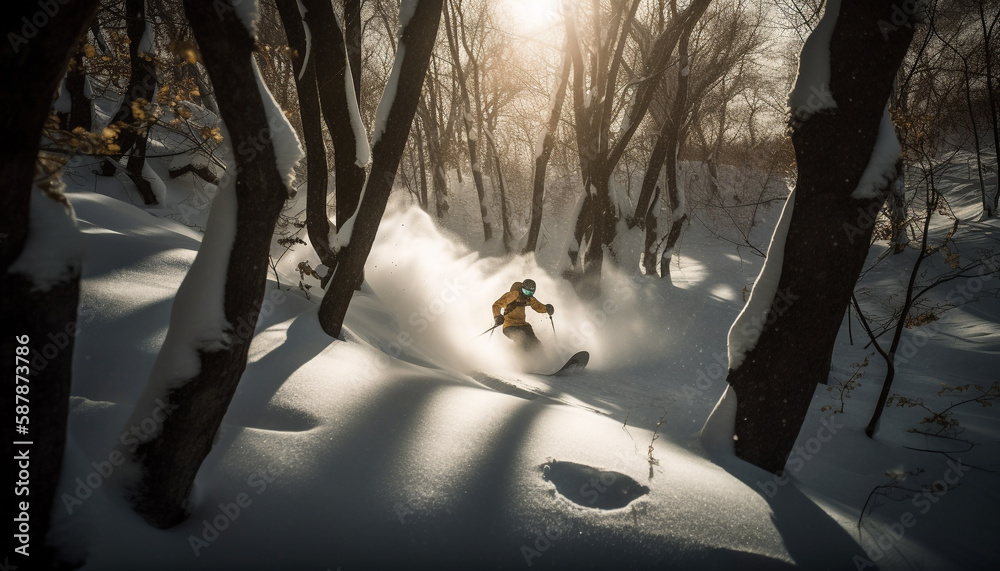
(330, 50)
(827, 240)
(317, 170)
(418, 38)
(34, 60)
(169, 461)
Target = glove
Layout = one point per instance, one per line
(549, 309)
(498, 320)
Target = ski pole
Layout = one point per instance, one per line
(490, 331)
(553, 323)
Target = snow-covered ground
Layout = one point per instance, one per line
(384, 451)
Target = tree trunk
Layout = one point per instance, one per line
(470, 128)
(991, 93)
(188, 411)
(656, 254)
(543, 153)
(422, 169)
(37, 313)
(331, 74)
(674, 139)
(416, 43)
(352, 31)
(595, 225)
(827, 239)
(80, 113)
(501, 186)
(317, 171)
(897, 210)
(435, 156)
(141, 85)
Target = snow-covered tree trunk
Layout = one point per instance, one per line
(781, 345)
(352, 31)
(419, 21)
(679, 116)
(339, 103)
(656, 252)
(40, 262)
(317, 171)
(217, 305)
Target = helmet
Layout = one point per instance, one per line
(528, 287)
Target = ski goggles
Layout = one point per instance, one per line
(528, 292)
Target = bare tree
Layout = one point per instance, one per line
(39, 265)
(543, 152)
(340, 107)
(392, 129)
(594, 107)
(453, 27)
(141, 89)
(781, 346)
(188, 403)
(317, 170)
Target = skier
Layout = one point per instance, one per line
(512, 303)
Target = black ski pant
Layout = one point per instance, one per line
(524, 336)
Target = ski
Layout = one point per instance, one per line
(577, 361)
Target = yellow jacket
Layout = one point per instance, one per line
(513, 304)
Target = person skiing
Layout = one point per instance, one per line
(515, 328)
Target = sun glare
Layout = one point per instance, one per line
(532, 16)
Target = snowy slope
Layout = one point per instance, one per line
(383, 452)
